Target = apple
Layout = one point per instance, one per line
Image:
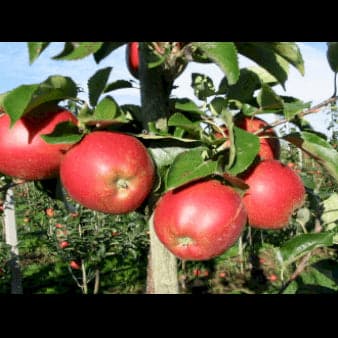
(199, 221)
(23, 153)
(273, 278)
(50, 212)
(63, 244)
(109, 172)
(132, 56)
(275, 192)
(75, 265)
(269, 143)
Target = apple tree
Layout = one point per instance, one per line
(220, 137)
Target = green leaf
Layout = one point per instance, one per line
(247, 147)
(188, 166)
(293, 108)
(164, 156)
(287, 50)
(330, 212)
(245, 87)
(265, 57)
(16, 101)
(317, 282)
(106, 113)
(300, 245)
(97, 83)
(35, 49)
(119, 84)
(264, 75)
(187, 105)
(318, 148)
(218, 107)
(106, 49)
(179, 120)
(203, 86)
(224, 54)
(332, 55)
(64, 133)
(78, 50)
(268, 100)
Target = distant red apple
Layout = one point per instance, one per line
(275, 192)
(75, 265)
(199, 221)
(63, 244)
(23, 153)
(109, 172)
(50, 212)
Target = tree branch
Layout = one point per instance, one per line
(314, 109)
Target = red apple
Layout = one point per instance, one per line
(269, 143)
(23, 153)
(75, 265)
(199, 221)
(275, 192)
(109, 172)
(50, 212)
(132, 56)
(63, 244)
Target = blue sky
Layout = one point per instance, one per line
(315, 86)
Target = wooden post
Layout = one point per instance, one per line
(155, 91)
(12, 240)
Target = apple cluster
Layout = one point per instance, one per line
(203, 219)
(113, 172)
(106, 171)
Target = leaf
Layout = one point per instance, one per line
(164, 156)
(316, 281)
(63, 133)
(203, 86)
(264, 75)
(188, 166)
(332, 55)
(318, 148)
(106, 49)
(287, 50)
(266, 58)
(218, 107)
(330, 213)
(35, 49)
(119, 84)
(17, 100)
(299, 245)
(329, 268)
(179, 120)
(97, 83)
(293, 108)
(268, 100)
(187, 105)
(245, 87)
(247, 147)
(78, 50)
(106, 113)
(224, 54)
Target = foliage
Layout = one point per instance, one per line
(185, 147)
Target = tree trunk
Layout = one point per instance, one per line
(12, 240)
(155, 91)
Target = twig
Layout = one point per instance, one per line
(314, 109)
(303, 263)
